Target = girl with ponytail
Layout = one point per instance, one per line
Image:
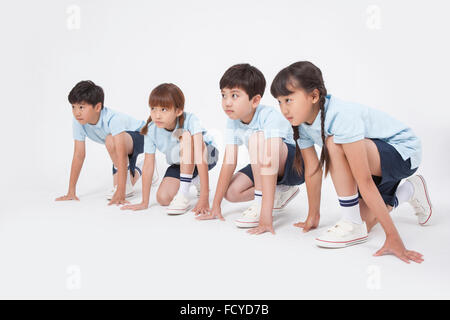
(367, 154)
(189, 150)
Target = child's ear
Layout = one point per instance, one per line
(255, 101)
(179, 112)
(315, 96)
(98, 107)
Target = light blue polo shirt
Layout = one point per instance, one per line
(349, 122)
(110, 122)
(266, 119)
(167, 141)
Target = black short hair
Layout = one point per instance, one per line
(87, 91)
(245, 77)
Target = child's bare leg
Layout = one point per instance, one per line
(111, 148)
(241, 188)
(272, 167)
(167, 190)
(256, 153)
(267, 157)
(269, 165)
(343, 179)
(186, 154)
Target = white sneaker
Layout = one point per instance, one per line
(342, 235)
(129, 192)
(179, 205)
(282, 198)
(420, 199)
(250, 217)
(129, 189)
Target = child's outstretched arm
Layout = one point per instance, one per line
(313, 181)
(200, 159)
(356, 154)
(79, 154)
(122, 165)
(147, 176)
(226, 173)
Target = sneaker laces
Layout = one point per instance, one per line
(341, 228)
(251, 212)
(178, 199)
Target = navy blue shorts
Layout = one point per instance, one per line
(290, 176)
(393, 170)
(173, 170)
(138, 148)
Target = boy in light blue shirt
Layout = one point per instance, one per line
(270, 179)
(266, 119)
(117, 131)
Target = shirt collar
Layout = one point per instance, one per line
(255, 115)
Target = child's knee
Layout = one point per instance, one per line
(162, 198)
(331, 146)
(232, 194)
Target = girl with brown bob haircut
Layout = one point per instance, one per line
(189, 150)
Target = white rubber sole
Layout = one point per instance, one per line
(339, 244)
(177, 212)
(246, 224)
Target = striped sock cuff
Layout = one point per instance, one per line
(258, 193)
(350, 201)
(186, 177)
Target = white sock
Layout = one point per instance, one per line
(258, 197)
(350, 208)
(196, 180)
(185, 183)
(404, 193)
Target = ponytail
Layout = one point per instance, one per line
(298, 160)
(324, 156)
(181, 121)
(144, 129)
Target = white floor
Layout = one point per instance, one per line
(89, 250)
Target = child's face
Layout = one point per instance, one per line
(165, 118)
(236, 103)
(86, 113)
(298, 107)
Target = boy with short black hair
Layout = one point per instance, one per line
(117, 131)
(270, 180)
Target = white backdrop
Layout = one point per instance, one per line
(391, 55)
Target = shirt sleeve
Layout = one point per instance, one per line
(194, 125)
(117, 124)
(275, 125)
(78, 131)
(304, 141)
(149, 144)
(230, 134)
(348, 128)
